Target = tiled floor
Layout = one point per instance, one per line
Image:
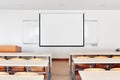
(60, 70)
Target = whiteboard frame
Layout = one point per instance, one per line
(92, 43)
(61, 45)
(33, 41)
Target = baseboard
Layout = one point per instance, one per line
(60, 59)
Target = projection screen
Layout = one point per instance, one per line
(61, 30)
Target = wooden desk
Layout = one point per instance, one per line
(21, 77)
(45, 63)
(99, 75)
(93, 61)
(95, 53)
(74, 61)
(10, 48)
(27, 54)
(29, 63)
(96, 60)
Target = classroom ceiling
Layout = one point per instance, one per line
(60, 4)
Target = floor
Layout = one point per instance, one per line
(60, 70)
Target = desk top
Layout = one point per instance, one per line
(21, 77)
(95, 53)
(43, 63)
(26, 54)
(99, 75)
(96, 60)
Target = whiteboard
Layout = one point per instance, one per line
(91, 32)
(30, 31)
(61, 30)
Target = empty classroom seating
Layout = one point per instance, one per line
(82, 66)
(105, 66)
(37, 68)
(94, 69)
(27, 64)
(4, 73)
(17, 68)
(26, 73)
(116, 65)
(2, 68)
(115, 69)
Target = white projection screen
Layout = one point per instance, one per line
(61, 30)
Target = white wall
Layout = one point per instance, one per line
(11, 31)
